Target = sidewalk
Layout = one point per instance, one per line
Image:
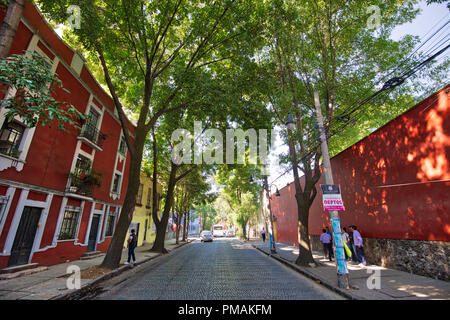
(51, 283)
(395, 285)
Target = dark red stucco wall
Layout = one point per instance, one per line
(395, 183)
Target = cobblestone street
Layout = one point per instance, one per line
(223, 269)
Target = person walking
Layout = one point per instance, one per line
(346, 240)
(358, 241)
(352, 245)
(132, 244)
(263, 234)
(325, 238)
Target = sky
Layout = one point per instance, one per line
(429, 16)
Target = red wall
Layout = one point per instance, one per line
(395, 183)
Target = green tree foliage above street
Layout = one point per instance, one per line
(154, 57)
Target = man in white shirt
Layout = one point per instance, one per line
(358, 241)
(325, 238)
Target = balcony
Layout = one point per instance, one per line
(92, 136)
(83, 184)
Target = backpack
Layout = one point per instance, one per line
(132, 239)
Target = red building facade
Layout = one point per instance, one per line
(395, 185)
(49, 213)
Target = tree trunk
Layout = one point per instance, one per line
(158, 245)
(305, 253)
(114, 253)
(9, 26)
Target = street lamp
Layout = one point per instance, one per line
(290, 124)
(267, 188)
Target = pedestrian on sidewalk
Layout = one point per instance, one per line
(358, 240)
(263, 234)
(325, 238)
(132, 244)
(346, 240)
(352, 244)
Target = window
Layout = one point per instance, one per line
(93, 118)
(123, 146)
(3, 202)
(116, 183)
(91, 130)
(82, 165)
(110, 224)
(149, 197)
(10, 138)
(139, 194)
(70, 223)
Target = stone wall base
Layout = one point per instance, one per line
(425, 258)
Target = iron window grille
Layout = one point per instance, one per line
(110, 224)
(10, 138)
(76, 182)
(116, 183)
(90, 132)
(123, 147)
(69, 224)
(3, 202)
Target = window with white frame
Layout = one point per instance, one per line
(69, 224)
(10, 138)
(116, 183)
(110, 222)
(3, 202)
(123, 146)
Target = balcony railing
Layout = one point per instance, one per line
(92, 134)
(11, 151)
(78, 185)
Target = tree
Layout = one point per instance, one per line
(328, 47)
(150, 52)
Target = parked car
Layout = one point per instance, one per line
(206, 236)
(230, 233)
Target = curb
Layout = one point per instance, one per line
(340, 291)
(89, 286)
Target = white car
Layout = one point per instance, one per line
(206, 236)
(230, 233)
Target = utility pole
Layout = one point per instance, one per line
(341, 264)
